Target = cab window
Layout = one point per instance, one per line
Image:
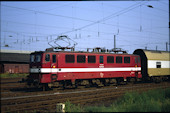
(38, 58)
(54, 58)
(32, 58)
(47, 57)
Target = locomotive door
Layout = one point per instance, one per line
(101, 65)
(101, 61)
(54, 61)
(54, 67)
(50, 62)
(47, 62)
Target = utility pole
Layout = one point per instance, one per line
(166, 46)
(156, 48)
(169, 31)
(114, 41)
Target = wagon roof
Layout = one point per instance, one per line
(156, 55)
(14, 56)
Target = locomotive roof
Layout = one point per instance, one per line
(82, 52)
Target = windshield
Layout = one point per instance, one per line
(35, 58)
(38, 58)
(32, 57)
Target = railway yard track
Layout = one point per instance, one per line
(16, 98)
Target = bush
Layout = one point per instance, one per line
(98, 109)
(166, 106)
(151, 101)
(72, 108)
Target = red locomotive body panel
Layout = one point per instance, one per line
(58, 66)
(96, 70)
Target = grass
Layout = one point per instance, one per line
(14, 75)
(73, 108)
(151, 101)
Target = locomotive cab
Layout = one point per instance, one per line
(42, 64)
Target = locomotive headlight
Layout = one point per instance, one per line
(53, 66)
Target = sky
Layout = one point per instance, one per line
(35, 26)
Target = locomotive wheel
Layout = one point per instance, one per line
(45, 87)
(75, 85)
(168, 78)
(118, 81)
(104, 82)
(90, 84)
(156, 79)
(132, 80)
(64, 85)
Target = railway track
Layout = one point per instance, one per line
(7, 84)
(48, 100)
(10, 80)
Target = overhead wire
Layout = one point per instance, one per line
(86, 20)
(47, 13)
(102, 33)
(136, 12)
(103, 19)
(125, 27)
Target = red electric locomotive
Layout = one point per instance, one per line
(70, 68)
